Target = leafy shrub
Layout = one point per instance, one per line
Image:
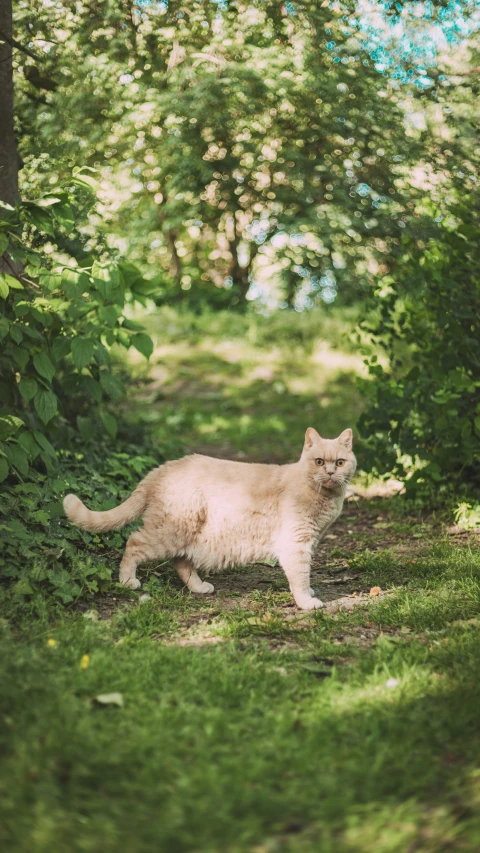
(59, 316)
(423, 422)
(61, 310)
(42, 550)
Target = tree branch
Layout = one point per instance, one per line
(14, 43)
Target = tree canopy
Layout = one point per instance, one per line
(213, 154)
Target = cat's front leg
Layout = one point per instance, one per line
(297, 570)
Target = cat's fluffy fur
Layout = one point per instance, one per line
(212, 513)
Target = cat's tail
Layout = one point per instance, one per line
(131, 509)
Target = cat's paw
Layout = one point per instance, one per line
(132, 583)
(206, 588)
(310, 604)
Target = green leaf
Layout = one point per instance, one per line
(40, 218)
(9, 425)
(44, 366)
(476, 421)
(85, 427)
(92, 387)
(3, 469)
(106, 280)
(4, 327)
(3, 243)
(101, 354)
(82, 351)
(64, 215)
(60, 347)
(108, 315)
(27, 441)
(41, 517)
(28, 388)
(45, 403)
(47, 201)
(109, 423)
(143, 343)
(13, 283)
(16, 333)
(49, 281)
(21, 357)
(85, 181)
(111, 385)
(132, 326)
(23, 587)
(18, 458)
(4, 288)
(74, 282)
(44, 443)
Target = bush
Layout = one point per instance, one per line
(423, 422)
(41, 549)
(61, 310)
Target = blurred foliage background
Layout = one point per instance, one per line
(277, 178)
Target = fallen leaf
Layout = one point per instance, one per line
(375, 590)
(110, 699)
(330, 536)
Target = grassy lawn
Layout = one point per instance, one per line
(238, 723)
(238, 388)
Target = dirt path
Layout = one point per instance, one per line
(237, 401)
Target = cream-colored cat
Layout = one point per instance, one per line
(213, 513)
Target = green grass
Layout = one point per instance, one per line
(282, 736)
(246, 726)
(249, 386)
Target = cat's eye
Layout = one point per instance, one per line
(340, 462)
(318, 461)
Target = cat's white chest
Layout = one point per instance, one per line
(326, 516)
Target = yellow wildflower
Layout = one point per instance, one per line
(51, 642)
(85, 661)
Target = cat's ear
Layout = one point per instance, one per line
(311, 436)
(346, 438)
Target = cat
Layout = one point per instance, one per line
(213, 513)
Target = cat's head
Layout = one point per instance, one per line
(329, 462)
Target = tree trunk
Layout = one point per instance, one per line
(239, 275)
(176, 265)
(9, 160)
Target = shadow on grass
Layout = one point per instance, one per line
(217, 751)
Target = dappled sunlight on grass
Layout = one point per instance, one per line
(247, 396)
(342, 733)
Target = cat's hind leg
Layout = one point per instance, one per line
(188, 574)
(140, 548)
